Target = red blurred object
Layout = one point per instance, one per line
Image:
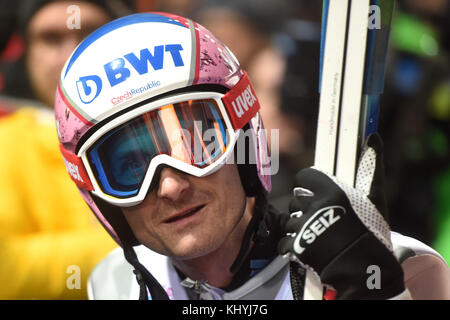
(14, 49)
(330, 295)
(4, 111)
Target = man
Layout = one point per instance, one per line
(49, 241)
(163, 137)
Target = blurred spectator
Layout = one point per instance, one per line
(11, 48)
(180, 7)
(49, 243)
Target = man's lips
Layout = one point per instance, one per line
(184, 214)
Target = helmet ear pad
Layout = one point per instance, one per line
(249, 179)
(246, 164)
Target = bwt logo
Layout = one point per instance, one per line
(89, 87)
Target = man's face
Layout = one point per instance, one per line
(50, 43)
(187, 217)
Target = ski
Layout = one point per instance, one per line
(354, 44)
(350, 107)
(332, 55)
(375, 69)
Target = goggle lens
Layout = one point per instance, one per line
(193, 132)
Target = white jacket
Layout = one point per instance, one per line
(427, 276)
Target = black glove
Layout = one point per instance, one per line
(340, 233)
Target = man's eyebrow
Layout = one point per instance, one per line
(89, 26)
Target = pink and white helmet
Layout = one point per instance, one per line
(132, 67)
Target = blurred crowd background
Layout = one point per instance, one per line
(277, 42)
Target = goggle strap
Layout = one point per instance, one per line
(241, 103)
(76, 169)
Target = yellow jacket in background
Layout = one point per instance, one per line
(49, 239)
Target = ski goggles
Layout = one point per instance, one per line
(193, 132)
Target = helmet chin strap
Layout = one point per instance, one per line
(144, 278)
(256, 230)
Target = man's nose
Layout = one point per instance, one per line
(67, 46)
(172, 184)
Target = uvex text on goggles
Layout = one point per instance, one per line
(193, 132)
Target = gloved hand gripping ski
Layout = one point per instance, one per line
(340, 231)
